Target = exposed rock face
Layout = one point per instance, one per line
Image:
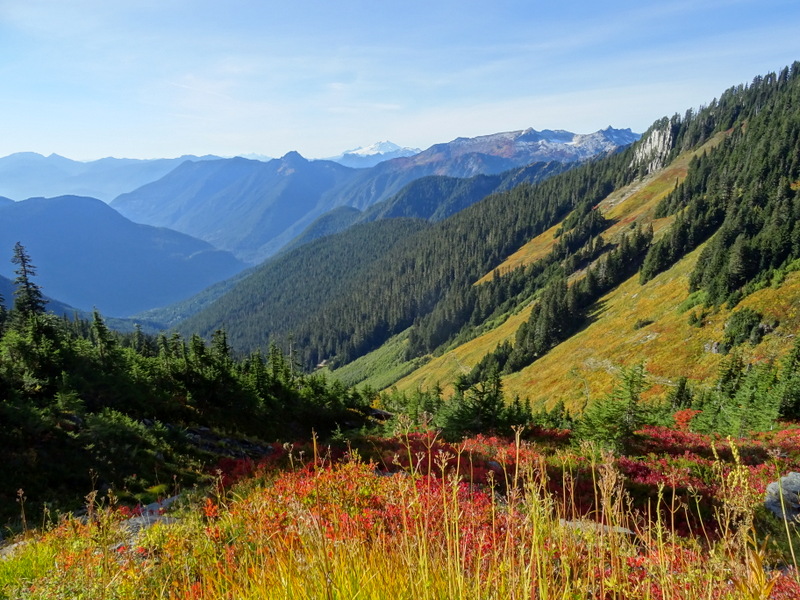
(652, 152)
(789, 486)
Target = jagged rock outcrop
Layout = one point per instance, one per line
(652, 152)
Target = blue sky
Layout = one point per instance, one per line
(161, 78)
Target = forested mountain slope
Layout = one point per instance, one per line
(254, 208)
(633, 204)
(415, 274)
(287, 291)
(437, 197)
(434, 198)
(431, 198)
(720, 274)
(245, 206)
(333, 221)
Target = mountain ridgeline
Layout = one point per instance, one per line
(254, 208)
(741, 194)
(433, 198)
(425, 273)
(28, 175)
(89, 256)
(245, 206)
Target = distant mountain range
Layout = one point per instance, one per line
(362, 158)
(27, 174)
(668, 254)
(254, 208)
(201, 219)
(433, 198)
(248, 207)
(499, 152)
(89, 256)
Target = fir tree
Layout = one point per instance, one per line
(790, 383)
(102, 337)
(28, 297)
(612, 420)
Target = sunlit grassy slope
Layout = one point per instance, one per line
(385, 366)
(381, 368)
(586, 365)
(633, 203)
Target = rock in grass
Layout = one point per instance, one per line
(789, 488)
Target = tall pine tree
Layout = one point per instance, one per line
(28, 297)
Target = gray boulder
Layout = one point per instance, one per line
(789, 487)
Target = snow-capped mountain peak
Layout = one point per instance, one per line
(378, 148)
(370, 156)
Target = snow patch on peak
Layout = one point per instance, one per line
(371, 155)
(384, 147)
(376, 148)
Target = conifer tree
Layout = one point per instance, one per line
(612, 420)
(790, 383)
(28, 297)
(102, 337)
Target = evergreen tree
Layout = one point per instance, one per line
(681, 395)
(557, 417)
(745, 398)
(789, 384)
(611, 421)
(102, 337)
(28, 297)
(480, 407)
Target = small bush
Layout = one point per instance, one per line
(744, 325)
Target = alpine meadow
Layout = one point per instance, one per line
(525, 365)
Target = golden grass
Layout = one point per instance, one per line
(344, 532)
(587, 364)
(458, 361)
(536, 249)
(634, 203)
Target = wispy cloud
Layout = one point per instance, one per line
(148, 78)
